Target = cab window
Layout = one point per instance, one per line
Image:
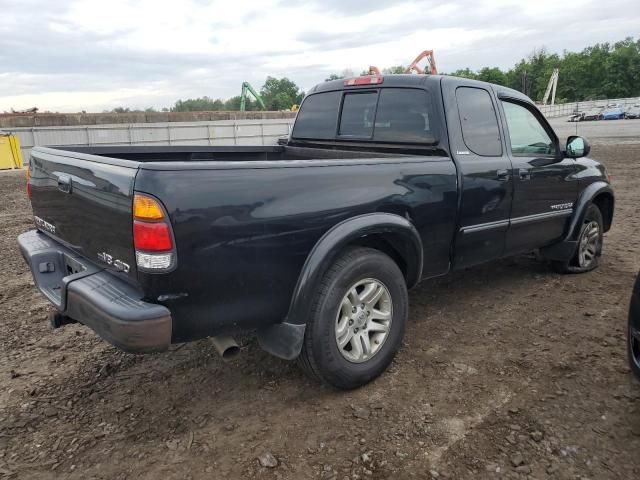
(358, 113)
(478, 121)
(403, 116)
(526, 134)
(318, 116)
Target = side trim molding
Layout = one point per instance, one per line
(500, 224)
(481, 227)
(541, 216)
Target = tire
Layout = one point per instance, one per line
(633, 331)
(589, 248)
(334, 317)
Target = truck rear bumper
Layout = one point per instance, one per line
(94, 297)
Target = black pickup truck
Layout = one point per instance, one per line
(384, 181)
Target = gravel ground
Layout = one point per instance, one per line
(507, 371)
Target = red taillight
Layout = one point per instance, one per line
(28, 183)
(366, 80)
(152, 237)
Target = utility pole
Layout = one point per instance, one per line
(524, 83)
(551, 88)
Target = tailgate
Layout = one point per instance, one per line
(86, 202)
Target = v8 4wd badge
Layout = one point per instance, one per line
(114, 262)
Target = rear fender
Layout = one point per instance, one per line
(405, 242)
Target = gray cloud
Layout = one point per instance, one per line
(348, 7)
(40, 51)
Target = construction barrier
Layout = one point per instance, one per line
(10, 155)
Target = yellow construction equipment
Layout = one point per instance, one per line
(10, 156)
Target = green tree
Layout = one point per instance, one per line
(202, 104)
(394, 70)
(492, 75)
(464, 73)
(233, 103)
(280, 94)
(346, 73)
(333, 76)
(600, 71)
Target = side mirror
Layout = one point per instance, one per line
(577, 147)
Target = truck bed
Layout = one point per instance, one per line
(146, 154)
(244, 219)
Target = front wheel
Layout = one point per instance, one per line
(589, 248)
(633, 330)
(357, 320)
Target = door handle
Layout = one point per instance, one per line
(503, 175)
(64, 183)
(524, 174)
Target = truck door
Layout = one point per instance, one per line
(544, 182)
(476, 144)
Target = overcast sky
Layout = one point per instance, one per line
(66, 55)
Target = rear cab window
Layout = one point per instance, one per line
(383, 115)
(318, 117)
(403, 116)
(358, 114)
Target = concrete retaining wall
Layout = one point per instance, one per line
(222, 132)
(9, 121)
(566, 109)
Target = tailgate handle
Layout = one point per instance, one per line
(64, 183)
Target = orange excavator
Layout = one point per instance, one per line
(413, 66)
(431, 63)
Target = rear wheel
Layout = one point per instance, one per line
(357, 320)
(589, 248)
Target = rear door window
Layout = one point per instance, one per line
(403, 116)
(318, 116)
(358, 113)
(478, 121)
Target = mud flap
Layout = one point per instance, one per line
(283, 340)
(562, 251)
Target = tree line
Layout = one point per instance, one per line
(600, 71)
(276, 93)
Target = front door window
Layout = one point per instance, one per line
(527, 135)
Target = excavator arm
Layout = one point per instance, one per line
(246, 87)
(431, 62)
(413, 67)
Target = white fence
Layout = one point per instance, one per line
(219, 132)
(223, 132)
(566, 109)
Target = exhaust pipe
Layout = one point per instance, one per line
(226, 347)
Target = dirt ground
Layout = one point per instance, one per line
(507, 371)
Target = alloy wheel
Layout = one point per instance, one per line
(634, 347)
(589, 244)
(363, 320)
